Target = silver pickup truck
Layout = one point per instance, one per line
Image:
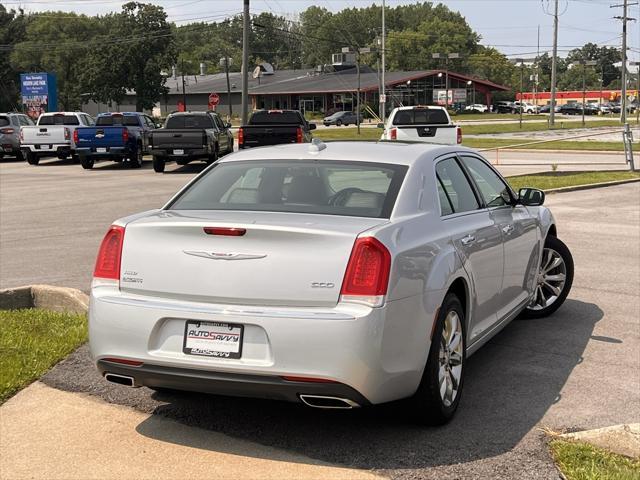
(429, 124)
(53, 135)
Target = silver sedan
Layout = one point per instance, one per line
(337, 275)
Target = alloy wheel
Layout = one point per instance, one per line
(450, 358)
(550, 280)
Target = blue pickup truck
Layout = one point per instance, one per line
(116, 136)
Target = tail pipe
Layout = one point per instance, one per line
(125, 380)
(320, 401)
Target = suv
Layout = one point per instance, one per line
(429, 124)
(10, 124)
(504, 107)
(525, 107)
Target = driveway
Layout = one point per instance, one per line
(578, 369)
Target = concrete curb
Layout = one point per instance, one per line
(620, 439)
(591, 185)
(59, 299)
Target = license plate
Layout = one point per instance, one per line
(178, 152)
(213, 339)
(101, 150)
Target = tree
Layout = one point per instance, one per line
(12, 30)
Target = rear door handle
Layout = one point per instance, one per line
(507, 229)
(468, 240)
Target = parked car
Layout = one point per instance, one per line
(116, 136)
(274, 127)
(341, 118)
(53, 134)
(575, 108)
(339, 275)
(525, 107)
(10, 124)
(504, 107)
(428, 124)
(616, 107)
(602, 108)
(189, 136)
(477, 107)
(547, 108)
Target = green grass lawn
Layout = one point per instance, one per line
(538, 126)
(580, 461)
(496, 116)
(547, 180)
(32, 341)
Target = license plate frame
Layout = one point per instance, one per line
(178, 151)
(101, 150)
(194, 346)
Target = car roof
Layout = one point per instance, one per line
(48, 114)
(107, 114)
(401, 153)
(414, 107)
(175, 114)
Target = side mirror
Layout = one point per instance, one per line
(531, 197)
(158, 125)
(312, 126)
(380, 125)
(227, 125)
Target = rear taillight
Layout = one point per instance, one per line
(125, 135)
(459, 134)
(67, 134)
(299, 135)
(367, 276)
(110, 253)
(394, 134)
(240, 137)
(75, 136)
(7, 131)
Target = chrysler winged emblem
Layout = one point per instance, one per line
(224, 256)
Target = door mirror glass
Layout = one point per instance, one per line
(531, 197)
(312, 126)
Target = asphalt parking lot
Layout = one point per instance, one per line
(575, 370)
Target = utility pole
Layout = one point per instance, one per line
(584, 64)
(224, 62)
(554, 66)
(623, 77)
(447, 57)
(245, 63)
(184, 94)
(358, 52)
(637, 65)
(383, 96)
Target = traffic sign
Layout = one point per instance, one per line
(214, 99)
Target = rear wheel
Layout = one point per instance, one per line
(214, 156)
(158, 164)
(19, 156)
(87, 162)
(135, 159)
(436, 400)
(32, 158)
(553, 281)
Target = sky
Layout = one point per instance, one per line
(509, 25)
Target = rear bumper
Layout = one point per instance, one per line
(109, 153)
(231, 384)
(370, 355)
(47, 149)
(189, 153)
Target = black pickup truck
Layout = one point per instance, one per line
(189, 136)
(274, 127)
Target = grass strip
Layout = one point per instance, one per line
(32, 341)
(547, 180)
(562, 125)
(581, 461)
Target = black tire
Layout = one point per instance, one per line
(86, 162)
(135, 159)
(427, 406)
(32, 158)
(158, 164)
(19, 156)
(338, 123)
(213, 158)
(555, 244)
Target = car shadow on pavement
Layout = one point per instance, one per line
(510, 384)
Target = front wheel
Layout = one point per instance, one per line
(436, 400)
(158, 164)
(553, 280)
(32, 158)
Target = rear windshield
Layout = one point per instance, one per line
(420, 116)
(59, 120)
(127, 120)
(4, 121)
(189, 121)
(328, 187)
(275, 117)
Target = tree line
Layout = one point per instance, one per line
(103, 57)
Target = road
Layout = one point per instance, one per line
(575, 370)
(53, 216)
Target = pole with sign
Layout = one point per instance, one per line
(214, 100)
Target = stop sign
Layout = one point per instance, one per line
(214, 99)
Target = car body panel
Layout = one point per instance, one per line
(10, 124)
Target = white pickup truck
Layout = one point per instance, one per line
(52, 136)
(429, 124)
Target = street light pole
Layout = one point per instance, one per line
(383, 104)
(554, 61)
(245, 63)
(447, 57)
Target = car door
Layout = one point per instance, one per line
(519, 230)
(147, 126)
(476, 239)
(223, 139)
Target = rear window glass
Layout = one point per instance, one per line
(4, 121)
(275, 117)
(59, 120)
(328, 187)
(419, 116)
(127, 120)
(189, 121)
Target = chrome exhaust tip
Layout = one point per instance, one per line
(320, 401)
(119, 379)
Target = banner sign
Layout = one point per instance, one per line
(39, 93)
